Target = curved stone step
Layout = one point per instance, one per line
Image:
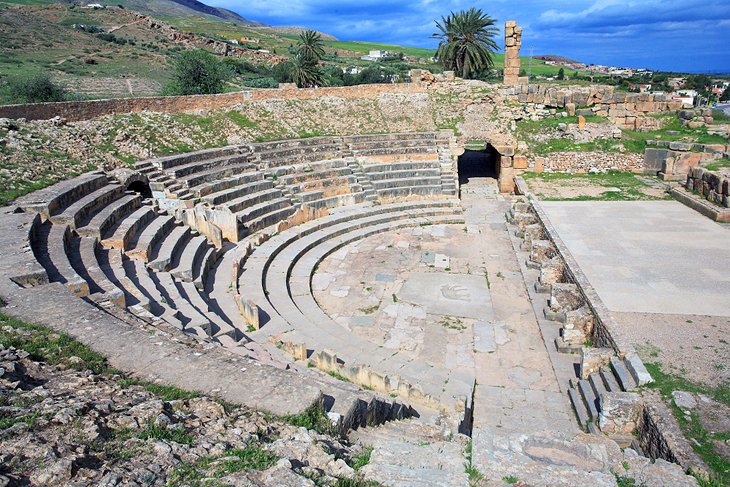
(109, 215)
(194, 167)
(169, 162)
(160, 306)
(206, 262)
(270, 218)
(406, 191)
(303, 176)
(238, 192)
(239, 204)
(406, 174)
(153, 233)
(240, 177)
(202, 183)
(263, 208)
(217, 325)
(190, 256)
(186, 312)
(127, 229)
(57, 245)
(409, 182)
(82, 209)
(169, 249)
(51, 200)
(87, 254)
(111, 263)
(399, 166)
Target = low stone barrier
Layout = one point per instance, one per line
(713, 186)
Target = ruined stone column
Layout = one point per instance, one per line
(512, 43)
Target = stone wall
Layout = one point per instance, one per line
(85, 110)
(579, 162)
(714, 186)
(674, 160)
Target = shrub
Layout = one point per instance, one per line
(36, 89)
(261, 83)
(198, 73)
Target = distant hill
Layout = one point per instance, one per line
(555, 58)
(166, 9)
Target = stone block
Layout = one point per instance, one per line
(570, 108)
(581, 122)
(506, 162)
(620, 412)
(520, 162)
(506, 180)
(592, 359)
(539, 164)
(505, 150)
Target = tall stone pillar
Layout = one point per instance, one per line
(512, 43)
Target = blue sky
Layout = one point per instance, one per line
(679, 35)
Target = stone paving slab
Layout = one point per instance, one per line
(461, 295)
(648, 256)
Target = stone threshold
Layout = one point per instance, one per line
(701, 205)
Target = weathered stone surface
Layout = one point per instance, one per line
(619, 412)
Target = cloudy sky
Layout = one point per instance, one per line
(680, 35)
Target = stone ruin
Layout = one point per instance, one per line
(512, 43)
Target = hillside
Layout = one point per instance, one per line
(113, 52)
(173, 9)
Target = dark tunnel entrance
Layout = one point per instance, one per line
(141, 188)
(478, 164)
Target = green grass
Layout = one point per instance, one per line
(338, 376)
(629, 184)
(314, 418)
(474, 474)
(365, 47)
(252, 457)
(361, 459)
(699, 438)
(151, 431)
(717, 165)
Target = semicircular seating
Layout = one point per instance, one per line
(115, 249)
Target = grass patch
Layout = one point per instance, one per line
(700, 439)
(717, 165)
(153, 432)
(369, 310)
(338, 376)
(630, 186)
(474, 474)
(314, 418)
(164, 392)
(240, 120)
(361, 459)
(252, 457)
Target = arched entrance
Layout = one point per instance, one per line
(476, 165)
(141, 188)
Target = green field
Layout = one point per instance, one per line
(365, 47)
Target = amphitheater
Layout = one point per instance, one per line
(405, 285)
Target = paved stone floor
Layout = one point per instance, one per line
(648, 256)
(454, 296)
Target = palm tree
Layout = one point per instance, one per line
(310, 46)
(467, 41)
(305, 73)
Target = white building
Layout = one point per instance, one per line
(687, 97)
(375, 56)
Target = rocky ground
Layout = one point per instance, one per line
(66, 419)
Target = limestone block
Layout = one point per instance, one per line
(509, 41)
(505, 150)
(637, 369)
(581, 122)
(505, 162)
(539, 164)
(620, 412)
(570, 108)
(506, 180)
(592, 359)
(520, 162)
(542, 250)
(551, 271)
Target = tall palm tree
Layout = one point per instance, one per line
(467, 41)
(305, 73)
(310, 46)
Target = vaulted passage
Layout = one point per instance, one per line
(478, 164)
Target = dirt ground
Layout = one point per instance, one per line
(694, 347)
(582, 187)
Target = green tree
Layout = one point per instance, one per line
(466, 41)
(38, 88)
(197, 73)
(305, 73)
(561, 73)
(310, 46)
(282, 72)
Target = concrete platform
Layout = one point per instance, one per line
(648, 256)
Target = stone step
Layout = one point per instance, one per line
(355, 139)
(191, 168)
(299, 178)
(169, 249)
(58, 246)
(160, 305)
(239, 204)
(207, 261)
(623, 376)
(406, 182)
(579, 406)
(82, 209)
(264, 148)
(405, 191)
(188, 315)
(401, 152)
(238, 192)
(331, 184)
(127, 229)
(111, 263)
(399, 166)
(88, 258)
(169, 162)
(430, 173)
(599, 388)
(108, 216)
(589, 398)
(335, 201)
(220, 286)
(609, 380)
(190, 258)
(54, 199)
(145, 243)
(402, 144)
(268, 219)
(268, 206)
(218, 327)
(242, 175)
